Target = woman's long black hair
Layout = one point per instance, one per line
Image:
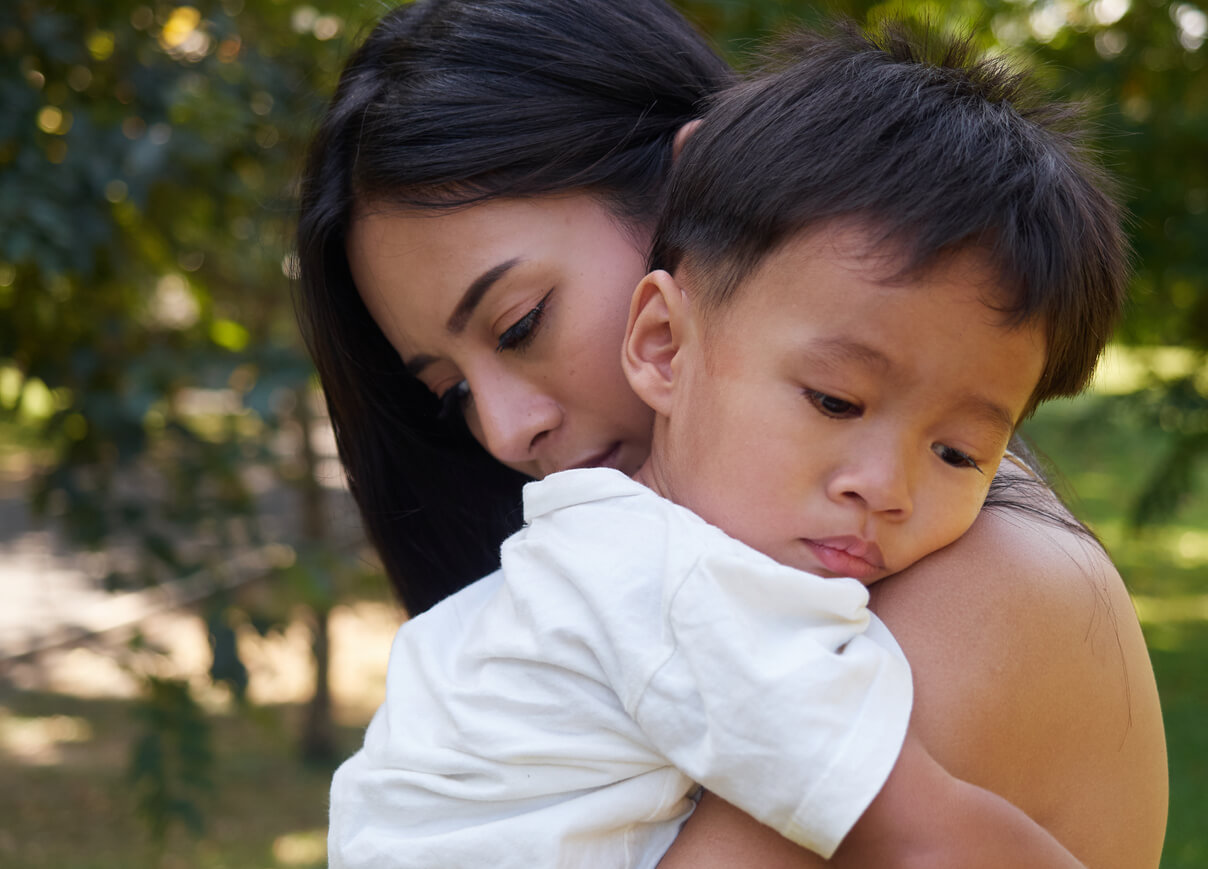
(448, 102)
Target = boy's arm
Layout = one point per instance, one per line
(924, 817)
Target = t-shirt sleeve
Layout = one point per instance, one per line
(782, 694)
(772, 687)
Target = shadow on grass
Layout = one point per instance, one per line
(1180, 658)
(67, 802)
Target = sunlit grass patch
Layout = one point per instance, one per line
(301, 848)
(1127, 369)
(1177, 608)
(78, 813)
(39, 739)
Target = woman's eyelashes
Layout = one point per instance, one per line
(516, 337)
(453, 400)
(521, 333)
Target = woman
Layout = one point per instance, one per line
(475, 215)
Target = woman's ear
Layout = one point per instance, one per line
(653, 337)
(681, 136)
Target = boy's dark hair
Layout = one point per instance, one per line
(930, 148)
(445, 103)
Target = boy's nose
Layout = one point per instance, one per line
(879, 484)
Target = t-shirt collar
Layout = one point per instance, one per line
(576, 486)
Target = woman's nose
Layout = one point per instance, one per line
(512, 418)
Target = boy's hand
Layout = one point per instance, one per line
(925, 818)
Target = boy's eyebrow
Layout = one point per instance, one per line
(834, 350)
(474, 293)
(993, 414)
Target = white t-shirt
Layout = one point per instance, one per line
(559, 712)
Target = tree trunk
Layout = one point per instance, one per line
(318, 729)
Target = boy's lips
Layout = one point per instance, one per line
(847, 556)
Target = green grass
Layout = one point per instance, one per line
(1180, 658)
(1105, 457)
(70, 805)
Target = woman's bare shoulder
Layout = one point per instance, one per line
(1032, 680)
(1010, 576)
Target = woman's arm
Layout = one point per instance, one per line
(1031, 680)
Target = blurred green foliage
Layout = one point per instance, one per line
(146, 157)
(147, 153)
(147, 346)
(170, 765)
(148, 351)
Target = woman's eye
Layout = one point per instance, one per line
(833, 407)
(453, 401)
(521, 333)
(956, 458)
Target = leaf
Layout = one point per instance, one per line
(1171, 482)
(225, 666)
(170, 758)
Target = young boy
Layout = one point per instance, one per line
(869, 270)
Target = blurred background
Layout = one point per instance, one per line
(192, 632)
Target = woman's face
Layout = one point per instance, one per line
(512, 312)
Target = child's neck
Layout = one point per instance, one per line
(649, 475)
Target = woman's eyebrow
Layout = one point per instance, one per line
(474, 293)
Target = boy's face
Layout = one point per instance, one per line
(838, 423)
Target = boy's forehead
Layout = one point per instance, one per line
(857, 253)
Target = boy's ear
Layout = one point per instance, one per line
(653, 337)
(681, 136)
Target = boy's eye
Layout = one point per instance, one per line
(833, 407)
(956, 458)
(521, 333)
(453, 401)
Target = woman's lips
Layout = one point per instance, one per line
(609, 458)
(847, 556)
